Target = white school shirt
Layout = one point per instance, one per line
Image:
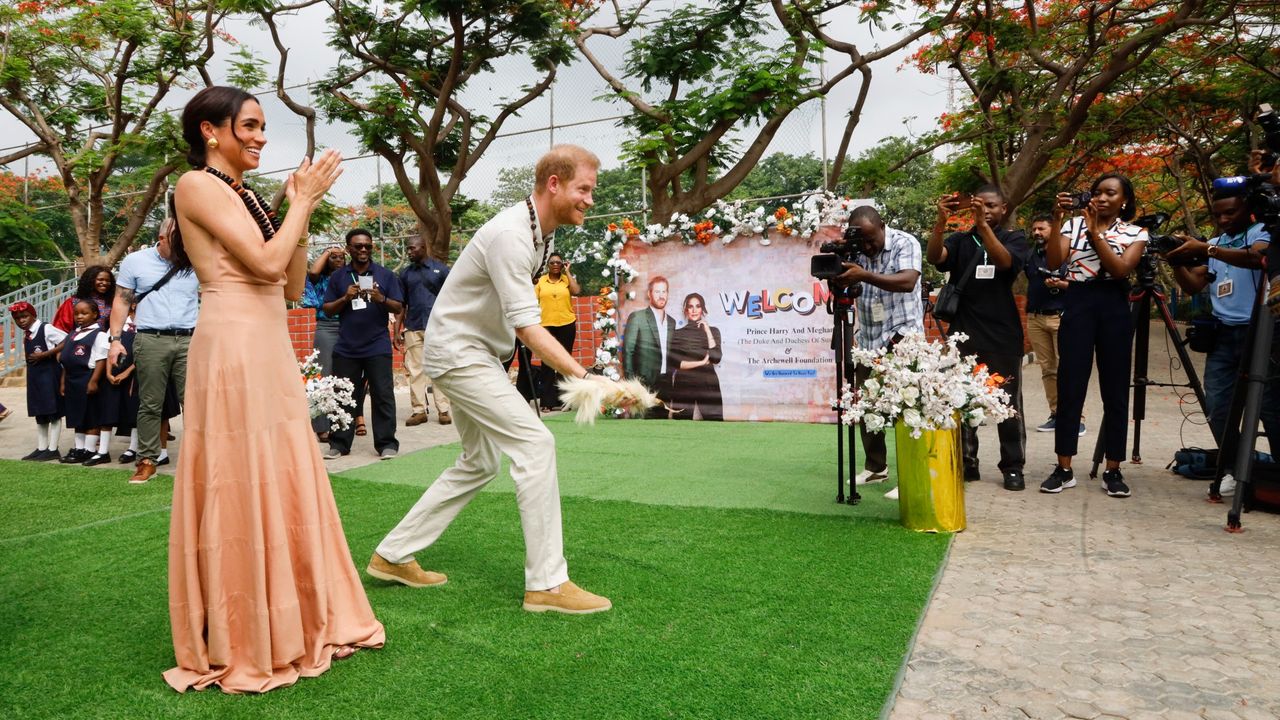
(101, 348)
(52, 334)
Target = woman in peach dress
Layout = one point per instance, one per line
(262, 589)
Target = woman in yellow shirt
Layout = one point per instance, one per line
(555, 292)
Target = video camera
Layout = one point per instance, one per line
(1262, 196)
(1162, 244)
(829, 262)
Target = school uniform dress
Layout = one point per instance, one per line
(43, 401)
(1095, 320)
(80, 354)
(262, 589)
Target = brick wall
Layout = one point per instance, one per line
(302, 324)
(931, 328)
(302, 327)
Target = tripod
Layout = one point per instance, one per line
(1141, 299)
(840, 305)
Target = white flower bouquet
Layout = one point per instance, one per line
(327, 395)
(925, 385)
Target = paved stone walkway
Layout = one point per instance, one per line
(1084, 606)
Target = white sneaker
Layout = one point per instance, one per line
(892, 494)
(866, 477)
(331, 453)
(1228, 486)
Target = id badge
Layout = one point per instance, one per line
(1225, 287)
(985, 272)
(877, 312)
(358, 304)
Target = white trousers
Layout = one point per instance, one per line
(492, 420)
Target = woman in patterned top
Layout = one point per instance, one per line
(1100, 248)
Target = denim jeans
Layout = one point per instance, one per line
(1222, 369)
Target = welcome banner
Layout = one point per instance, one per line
(776, 361)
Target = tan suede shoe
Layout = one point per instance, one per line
(445, 419)
(146, 468)
(571, 599)
(416, 419)
(406, 573)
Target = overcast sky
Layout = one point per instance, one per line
(902, 101)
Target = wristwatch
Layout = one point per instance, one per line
(1212, 251)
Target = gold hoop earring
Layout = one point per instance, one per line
(212, 143)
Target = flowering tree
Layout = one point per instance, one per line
(401, 80)
(86, 78)
(1054, 84)
(705, 75)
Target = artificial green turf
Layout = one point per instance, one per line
(775, 466)
(718, 612)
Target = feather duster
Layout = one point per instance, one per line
(594, 394)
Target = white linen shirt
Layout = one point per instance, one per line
(488, 294)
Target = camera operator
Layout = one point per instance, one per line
(887, 267)
(990, 257)
(1101, 248)
(1232, 273)
(1044, 313)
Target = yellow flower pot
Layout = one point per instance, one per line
(930, 481)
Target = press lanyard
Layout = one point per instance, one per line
(981, 247)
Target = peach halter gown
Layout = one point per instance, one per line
(262, 589)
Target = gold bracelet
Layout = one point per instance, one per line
(304, 241)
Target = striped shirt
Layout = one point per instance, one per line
(1083, 263)
(902, 312)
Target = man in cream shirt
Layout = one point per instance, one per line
(487, 303)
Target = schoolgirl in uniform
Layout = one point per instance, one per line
(42, 343)
(84, 359)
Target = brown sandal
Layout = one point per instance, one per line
(360, 429)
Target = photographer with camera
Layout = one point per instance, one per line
(1232, 271)
(886, 269)
(1101, 248)
(984, 261)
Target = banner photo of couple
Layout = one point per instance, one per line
(730, 332)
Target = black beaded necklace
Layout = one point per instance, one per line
(533, 229)
(255, 203)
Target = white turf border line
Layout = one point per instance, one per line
(889, 702)
(86, 526)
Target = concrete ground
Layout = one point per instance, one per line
(1079, 605)
(1055, 606)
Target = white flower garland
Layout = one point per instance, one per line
(724, 221)
(925, 385)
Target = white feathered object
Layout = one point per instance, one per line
(591, 395)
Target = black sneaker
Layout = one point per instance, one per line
(1060, 479)
(34, 455)
(1113, 483)
(971, 473)
(1013, 480)
(47, 455)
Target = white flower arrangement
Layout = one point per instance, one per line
(925, 385)
(327, 395)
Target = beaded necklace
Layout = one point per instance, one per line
(266, 218)
(533, 230)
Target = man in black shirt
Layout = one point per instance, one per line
(1044, 313)
(988, 314)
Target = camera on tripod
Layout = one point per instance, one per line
(1162, 245)
(1262, 196)
(829, 262)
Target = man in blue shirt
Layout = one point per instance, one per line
(420, 282)
(1233, 275)
(168, 304)
(364, 296)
